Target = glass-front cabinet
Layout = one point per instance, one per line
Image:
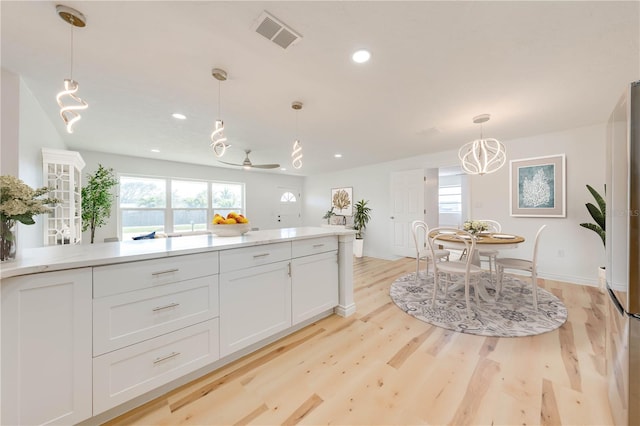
(62, 171)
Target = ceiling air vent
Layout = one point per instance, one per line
(272, 28)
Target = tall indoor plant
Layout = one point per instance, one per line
(18, 203)
(599, 216)
(97, 199)
(361, 217)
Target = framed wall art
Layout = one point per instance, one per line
(538, 187)
(342, 201)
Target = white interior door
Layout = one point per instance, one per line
(407, 205)
(288, 214)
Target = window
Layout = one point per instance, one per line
(450, 199)
(142, 205)
(227, 197)
(172, 205)
(288, 197)
(189, 205)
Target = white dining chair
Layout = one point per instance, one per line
(449, 273)
(524, 265)
(486, 253)
(419, 231)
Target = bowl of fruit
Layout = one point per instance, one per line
(232, 225)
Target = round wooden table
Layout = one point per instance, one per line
(489, 241)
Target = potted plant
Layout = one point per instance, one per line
(361, 217)
(328, 215)
(97, 199)
(599, 215)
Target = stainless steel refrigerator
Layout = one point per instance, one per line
(623, 257)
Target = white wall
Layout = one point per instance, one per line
(581, 250)
(10, 110)
(262, 195)
(27, 122)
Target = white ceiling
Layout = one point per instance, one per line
(536, 67)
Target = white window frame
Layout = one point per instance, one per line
(169, 209)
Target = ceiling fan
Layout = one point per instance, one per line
(247, 164)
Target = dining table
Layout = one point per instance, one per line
(487, 241)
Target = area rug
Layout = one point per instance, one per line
(512, 315)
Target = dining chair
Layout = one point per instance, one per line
(525, 265)
(489, 254)
(449, 273)
(419, 230)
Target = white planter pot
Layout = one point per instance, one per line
(602, 277)
(358, 246)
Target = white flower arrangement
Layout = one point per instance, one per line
(474, 226)
(18, 203)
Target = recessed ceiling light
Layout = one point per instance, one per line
(284, 169)
(179, 116)
(361, 56)
(337, 155)
(155, 150)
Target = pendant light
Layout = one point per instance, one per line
(69, 112)
(484, 155)
(218, 138)
(296, 154)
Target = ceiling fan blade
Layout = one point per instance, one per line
(265, 166)
(231, 164)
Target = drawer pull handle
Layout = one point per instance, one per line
(160, 308)
(318, 245)
(166, 357)
(168, 271)
(255, 256)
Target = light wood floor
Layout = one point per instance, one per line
(382, 367)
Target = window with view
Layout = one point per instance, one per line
(174, 206)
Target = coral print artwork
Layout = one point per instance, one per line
(342, 201)
(537, 186)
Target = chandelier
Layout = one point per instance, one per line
(296, 154)
(218, 139)
(484, 155)
(69, 111)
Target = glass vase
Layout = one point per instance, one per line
(8, 240)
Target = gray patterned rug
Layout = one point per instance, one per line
(512, 315)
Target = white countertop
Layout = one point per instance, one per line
(55, 258)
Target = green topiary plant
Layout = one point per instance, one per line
(599, 214)
(97, 199)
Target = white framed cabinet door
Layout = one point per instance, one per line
(255, 303)
(46, 348)
(314, 285)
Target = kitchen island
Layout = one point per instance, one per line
(91, 331)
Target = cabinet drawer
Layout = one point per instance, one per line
(311, 246)
(127, 318)
(129, 372)
(123, 277)
(247, 257)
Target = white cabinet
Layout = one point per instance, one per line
(62, 171)
(133, 370)
(153, 322)
(255, 303)
(314, 285)
(46, 348)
